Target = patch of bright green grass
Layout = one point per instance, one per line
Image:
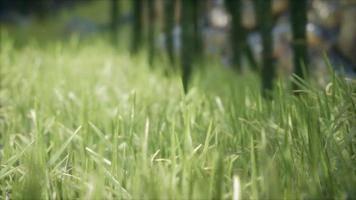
(82, 120)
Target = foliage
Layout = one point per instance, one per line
(84, 120)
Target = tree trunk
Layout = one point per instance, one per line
(151, 31)
(249, 56)
(238, 37)
(169, 27)
(187, 16)
(114, 20)
(299, 21)
(137, 26)
(198, 35)
(264, 14)
(234, 8)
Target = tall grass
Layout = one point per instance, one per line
(80, 120)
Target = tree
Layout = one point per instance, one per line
(197, 34)
(187, 16)
(114, 20)
(264, 16)
(137, 26)
(41, 8)
(169, 6)
(299, 19)
(151, 31)
(238, 36)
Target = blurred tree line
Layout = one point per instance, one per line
(182, 23)
(189, 16)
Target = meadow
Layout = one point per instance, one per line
(84, 120)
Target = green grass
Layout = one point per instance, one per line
(82, 120)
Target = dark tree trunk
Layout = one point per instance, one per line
(236, 33)
(264, 15)
(198, 35)
(299, 21)
(137, 26)
(169, 26)
(114, 20)
(2, 7)
(151, 31)
(249, 56)
(24, 7)
(187, 54)
(238, 37)
(41, 8)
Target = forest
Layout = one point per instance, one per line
(177, 99)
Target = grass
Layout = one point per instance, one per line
(82, 120)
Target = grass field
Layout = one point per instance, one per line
(83, 120)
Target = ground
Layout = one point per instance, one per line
(82, 119)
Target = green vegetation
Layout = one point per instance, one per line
(85, 120)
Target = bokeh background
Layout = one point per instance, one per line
(331, 30)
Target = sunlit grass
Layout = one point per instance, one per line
(82, 120)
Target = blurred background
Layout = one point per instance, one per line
(229, 31)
